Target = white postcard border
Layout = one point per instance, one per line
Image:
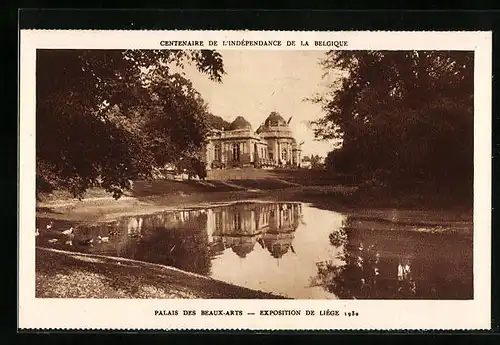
(139, 314)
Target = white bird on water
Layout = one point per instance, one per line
(37, 232)
(54, 240)
(49, 226)
(68, 232)
(103, 239)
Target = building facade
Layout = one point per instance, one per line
(271, 145)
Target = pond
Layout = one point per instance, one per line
(290, 249)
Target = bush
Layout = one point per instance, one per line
(217, 165)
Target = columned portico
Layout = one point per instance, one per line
(271, 145)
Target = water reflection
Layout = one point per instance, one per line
(240, 227)
(172, 239)
(382, 264)
(284, 248)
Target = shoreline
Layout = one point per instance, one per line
(105, 208)
(63, 274)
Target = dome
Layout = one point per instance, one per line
(275, 119)
(277, 250)
(240, 123)
(242, 249)
(278, 244)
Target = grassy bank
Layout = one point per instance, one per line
(157, 196)
(61, 274)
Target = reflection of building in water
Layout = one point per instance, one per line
(240, 226)
(278, 244)
(185, 219)
(241, 245)
(237, 226)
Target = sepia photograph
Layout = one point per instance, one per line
(254, 180)
(305, 174)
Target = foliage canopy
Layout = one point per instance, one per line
(408, 113)
(105, 117)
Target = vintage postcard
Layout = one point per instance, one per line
(255, 180)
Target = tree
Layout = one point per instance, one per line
(407, 112)
(217, 122)
(105, 117)
(316, 161)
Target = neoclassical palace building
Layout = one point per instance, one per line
(271, 145)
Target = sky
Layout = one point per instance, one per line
(259, 82)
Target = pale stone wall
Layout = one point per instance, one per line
(274, 140)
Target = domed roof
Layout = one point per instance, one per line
(242, 249)
(277, 250)
(278, 244)
(274, 119)
(240, 123)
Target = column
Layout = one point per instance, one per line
(286, 147)
(251, 152)
(278, 151)
(288, 152)
(208, 157)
